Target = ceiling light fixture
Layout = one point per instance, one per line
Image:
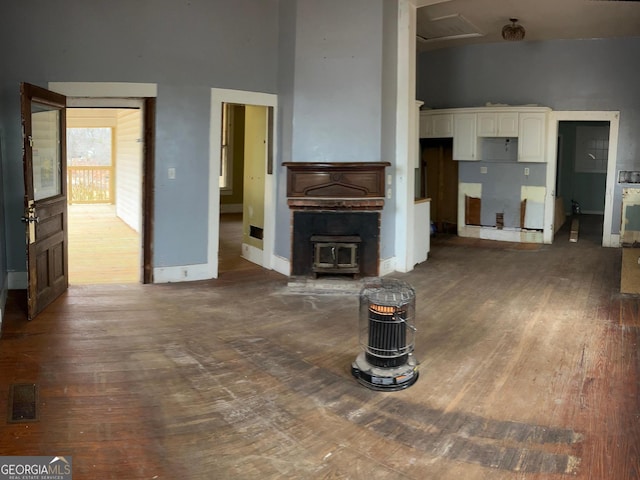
(513, 31)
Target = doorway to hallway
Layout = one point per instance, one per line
(104, 185)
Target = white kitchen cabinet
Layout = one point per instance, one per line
(465, 139)
(436, 125)
(532, 137)
(498, 124)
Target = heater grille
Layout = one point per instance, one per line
(387, 345)
(387, 333)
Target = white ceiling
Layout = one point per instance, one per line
(542, 20)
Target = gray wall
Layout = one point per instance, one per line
(185, 47)
(3, 250)
(330, 87)
(329, 62)
(338, 81)
(286, 76)
(503, 180)
(389, 102)
(563, 75)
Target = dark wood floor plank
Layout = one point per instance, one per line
(529, 369)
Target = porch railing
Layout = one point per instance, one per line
(90, 184)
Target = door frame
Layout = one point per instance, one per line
(555, 117)
(107, 94)
(241, 97)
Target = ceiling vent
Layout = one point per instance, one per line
(448, 27)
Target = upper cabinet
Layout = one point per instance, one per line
(497, 124)
(532, 137)
(465, 139)
(434, 124)
(468, 126)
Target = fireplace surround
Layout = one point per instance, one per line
(335, 217)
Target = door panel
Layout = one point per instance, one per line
(441, 182)
(44, 160)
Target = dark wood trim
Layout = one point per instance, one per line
(148, 188)
(336, 179)
(336, 203)
(46, 237)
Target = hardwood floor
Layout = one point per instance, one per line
(102, 247)
(529, 370)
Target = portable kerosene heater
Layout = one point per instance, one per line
(387, 336)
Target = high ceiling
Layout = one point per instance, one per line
(481, 21)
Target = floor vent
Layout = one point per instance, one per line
(23, 399)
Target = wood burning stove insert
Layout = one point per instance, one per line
(335, 254)
(339, 227)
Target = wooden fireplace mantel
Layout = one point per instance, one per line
(336, 180)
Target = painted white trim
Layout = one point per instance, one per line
(515, 235)
(184, 273)
(406, 136)
(613, 117)
(253, 254)
(511, 235)
(282, 265)
(218, 97)
(615, 240)
(106, 102)
(105, 89)
(387, 266)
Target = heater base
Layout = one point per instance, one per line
(387, 379)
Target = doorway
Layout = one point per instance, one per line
(582, 173)
(104, 185)
(599, 163)
(243, 159)
(242, 181)
(126, 95)
(439, 182)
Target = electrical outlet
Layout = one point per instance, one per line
(171, 173)
(526, 171)
(483, 169)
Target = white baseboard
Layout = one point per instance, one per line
(503, 235)
(615, 241)
(253, 254)
(17, 280)
(281, 265)
(184, 273)
(387, 266)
